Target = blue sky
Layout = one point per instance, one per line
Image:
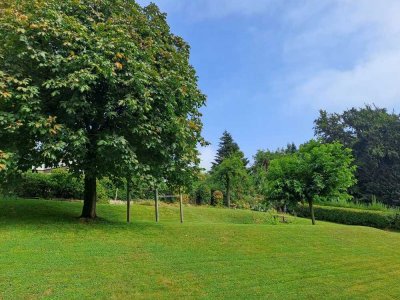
(268, 66)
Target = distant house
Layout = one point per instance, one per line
(45, 169)
(42, 169)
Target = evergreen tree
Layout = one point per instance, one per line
(228, 147)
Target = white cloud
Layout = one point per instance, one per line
(372, 77)
(374, 81)
(365, 32)
(207, 156)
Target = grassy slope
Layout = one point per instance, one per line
(45, 252)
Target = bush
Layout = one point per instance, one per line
(102, 192)
(372, 205)
(203, 194)
(252, 202)
(218, 198)
(65, 185)
(350, 216)
(111, 188)
(57, 184)
(35, 185)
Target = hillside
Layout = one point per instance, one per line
(47, 253)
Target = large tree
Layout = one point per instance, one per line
(231, 173)
(317, 170)
(373, 134)
(102, 86)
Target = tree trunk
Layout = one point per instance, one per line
(90, 197)
(310, 204)
(228, 192)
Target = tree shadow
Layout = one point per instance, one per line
(53, 212)
(36, 211)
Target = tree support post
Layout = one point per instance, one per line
(128, 201)
(156, 205)
(181, 205)
(311, 206)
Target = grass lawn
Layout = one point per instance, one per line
(47, 253)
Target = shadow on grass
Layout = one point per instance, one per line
(16, 212)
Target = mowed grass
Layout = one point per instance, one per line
(48, 253)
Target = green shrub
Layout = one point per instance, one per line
(218, 198)
(203, 194)
(36, 185)
(373, 205)
(58, 184)
(110, 189)
(249, 202)
(102, 192)
(350, 216)
(65, 185)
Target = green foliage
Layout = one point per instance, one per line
(4, 161)
(317, 170)
(350, 216)
(59, 184)
(262, 160)
(253, 202)
(231, 174)
(203, 194)
(217, 198)
(373, 134)
(8, 172)
(227, 148)
(283, 180)
(358, 205)
(327, 170)
(140, 189)
(100, 86)
(49, 185)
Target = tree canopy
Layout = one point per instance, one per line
(317, 170)
(262, 159)
(373, 134)
(231, 173)
(102, 86)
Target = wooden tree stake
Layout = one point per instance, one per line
(156, 206)
(181, 205)
(128, 201)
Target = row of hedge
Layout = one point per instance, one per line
(351, 216)
(59, 184)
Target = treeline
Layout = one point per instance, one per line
(355, 156)
(59, 183)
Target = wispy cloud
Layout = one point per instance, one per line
(369, 28)
(273, 63)
(373, 29)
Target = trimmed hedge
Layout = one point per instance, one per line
(351, 216)
(58, 184)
